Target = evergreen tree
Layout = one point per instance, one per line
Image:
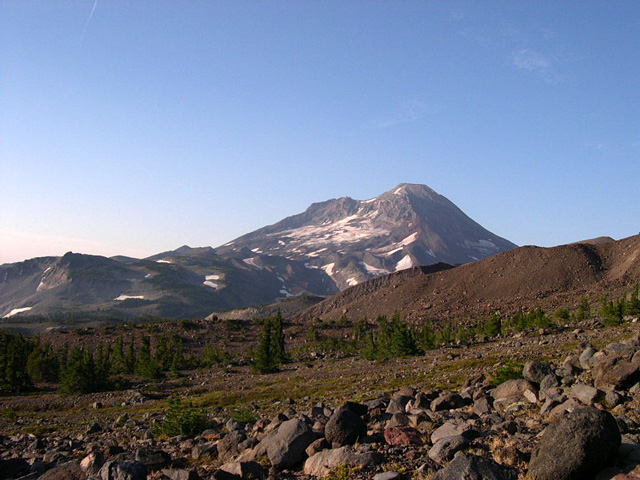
(264, 361)
(493, 327)
(146, 365)
(118, 360)
(427, 337)
(14, 351)
(277, 340)
(584, 309)
(81, 374)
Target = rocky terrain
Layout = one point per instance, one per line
(331, 246)
(518, 279)
(452, 413)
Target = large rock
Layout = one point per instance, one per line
(228, 446)
(452, 428)
(287, 447)
(467, 466)
(445, 448)
(615, 372)
(67, 471)
(153, 459)
(344, 427)
(514, 389)
(116, 470)
(402, 436)
(322, 463)
(13, 468)
(536, 371)
(244, 470)
(447, 401)
(576, 446)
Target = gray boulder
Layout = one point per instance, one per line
(448, 401)
(244, 470)
(322, 463)
(615, 372)
(467, 466)
(67, 471)
(344, 427)
(452, 428)
(445, 448)
(126, 470)
(576, 446)
(228, 446)
(287, 447)
(13, 468)
(536, 371)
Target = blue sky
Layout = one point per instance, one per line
(137, 127)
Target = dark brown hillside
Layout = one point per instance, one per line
(523, 278)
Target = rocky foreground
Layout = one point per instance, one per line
(572, 418)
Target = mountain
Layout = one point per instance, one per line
(523, 278)
(353, 241)
(331, 246)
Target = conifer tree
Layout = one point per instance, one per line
(278, 351)
(264, 361)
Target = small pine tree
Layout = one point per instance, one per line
(278, 351)
(493, 327)
(264, 361)
(584, 309)
(427, 337)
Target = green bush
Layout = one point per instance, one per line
(182, 419)
(243, 415)
(510, 370)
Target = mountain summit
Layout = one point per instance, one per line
(353, 241)
(331, 246)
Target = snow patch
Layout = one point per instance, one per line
(352, 282)
(410, 239)
(328, 268)
(16, 311)
(371, 270)
(371, 200)
(484, 244)
(310, 267)
(286, 293)
(399, 191)
(163, 261)
(228, 244)
(280, 242)
(208, 281)
(388, 254)
(129, 297)
(252, 262)
(405, 263)
(351, 229)
(316, 253)
(256, 250)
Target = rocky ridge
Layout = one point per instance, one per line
(573, 417)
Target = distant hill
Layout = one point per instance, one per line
(331, 246)
(523, 278)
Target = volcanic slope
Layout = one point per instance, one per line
(353, 241)
(520, 279)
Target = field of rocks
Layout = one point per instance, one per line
(456, 412)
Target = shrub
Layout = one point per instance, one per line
(510, 370)
(182, 419)
(243, 415)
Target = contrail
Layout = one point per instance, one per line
(95, 4)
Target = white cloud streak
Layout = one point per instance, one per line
(407, 112)
(544, 66)
(86, 25)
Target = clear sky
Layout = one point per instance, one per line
(135, 127)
